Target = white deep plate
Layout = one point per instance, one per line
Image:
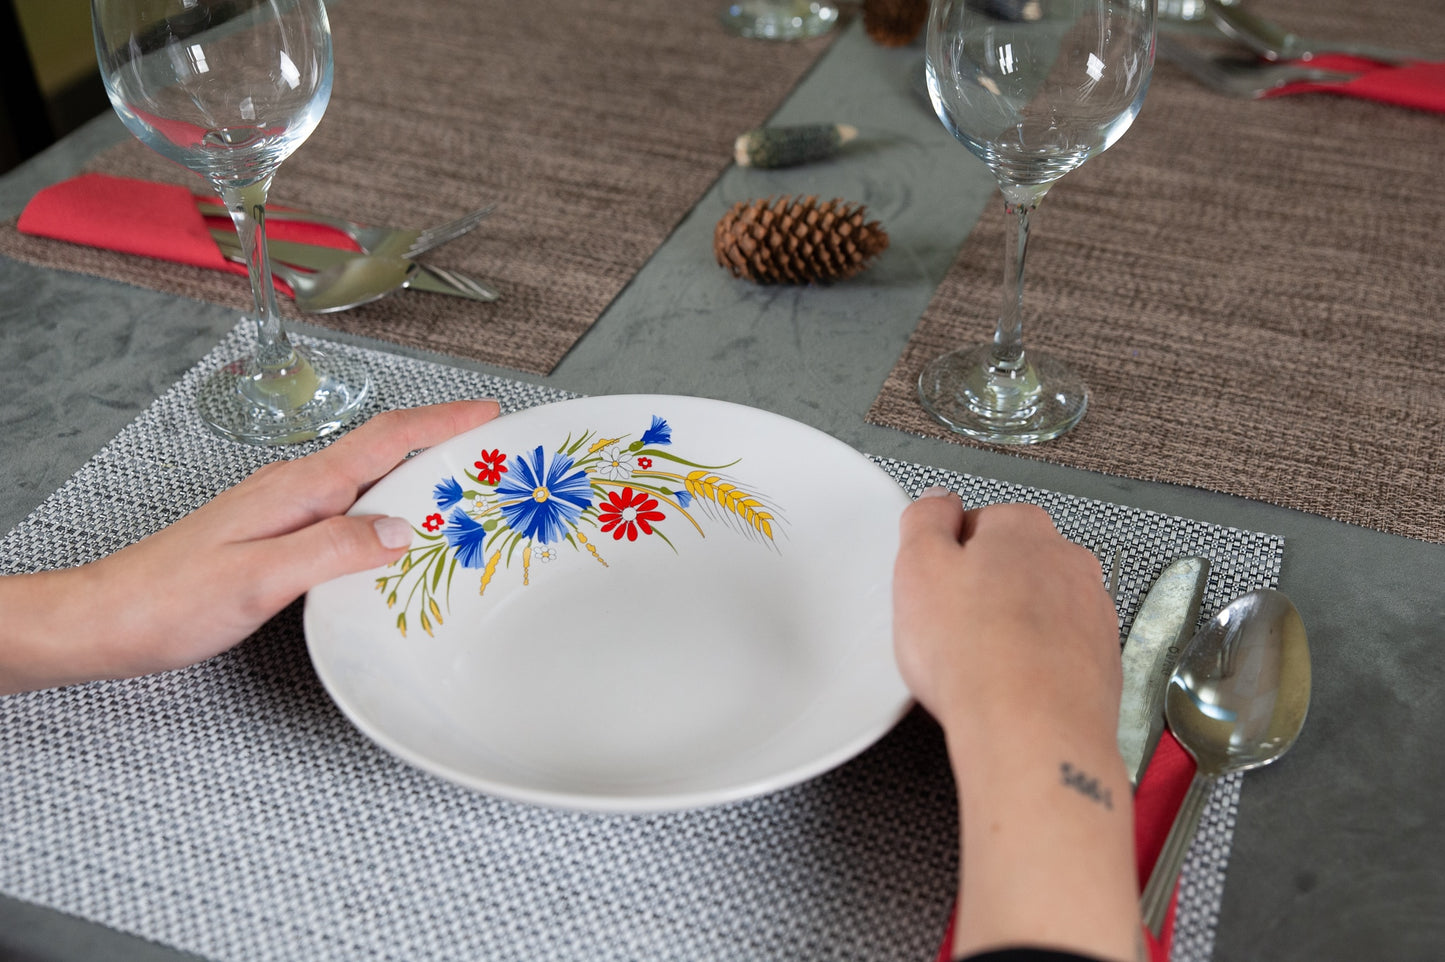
(550, 647)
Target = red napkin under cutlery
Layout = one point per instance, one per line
(1156, 801)
(149, 219)
(1419, 84)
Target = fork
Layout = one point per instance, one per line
(1248, 79)
(390, 241)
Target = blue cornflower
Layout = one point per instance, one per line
(659, 433)
(542, 505)
(683, 498)
(465, 534)
(447, 493)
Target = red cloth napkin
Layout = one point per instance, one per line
(1156, 801)
(1420, 84)
(149, 219)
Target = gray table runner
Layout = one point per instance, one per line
(229, 810)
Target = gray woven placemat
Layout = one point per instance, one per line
(230, 810)
(594, 126)
(1251, 297)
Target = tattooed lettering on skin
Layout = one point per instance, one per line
(1086, 786)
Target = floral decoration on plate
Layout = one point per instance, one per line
(530, 507)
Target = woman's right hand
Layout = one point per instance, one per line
(1004, 632)
(993, 607)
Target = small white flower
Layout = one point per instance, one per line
(545, 554)
(616, 463)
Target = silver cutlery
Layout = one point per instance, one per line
(1273, 42)
(1165, 621)
(1249, 79)
(436, 280)
(1237, 700)
(1116, 569)
(359, 281)
(393, 241)
(1180, 11)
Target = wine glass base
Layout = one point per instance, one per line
(314, 398)
(974, 396)
(779, 19)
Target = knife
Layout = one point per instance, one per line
(315, 257)
(1163, 626)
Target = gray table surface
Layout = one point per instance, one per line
(1339, 849)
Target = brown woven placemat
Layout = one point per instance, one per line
(594, 125)
(1253, 291)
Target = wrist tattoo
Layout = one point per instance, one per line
(1086, 785)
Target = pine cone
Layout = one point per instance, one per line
(800, 241)
(894, 23)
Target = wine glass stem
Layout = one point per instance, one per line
(1008, 339)
(247, 205)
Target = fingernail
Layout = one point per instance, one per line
(936, 491)
(393, 532)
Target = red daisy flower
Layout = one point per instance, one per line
(626, 512)
(433, 522)
(490, 468)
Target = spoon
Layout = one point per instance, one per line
(355, 281)
(1237, 700)
(1250, 79)
(1273, 42)
(360, 280)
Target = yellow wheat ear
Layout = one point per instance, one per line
(602, 443)
(490, 570)
(732, 499)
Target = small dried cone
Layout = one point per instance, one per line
(894, 23)
(787, 241)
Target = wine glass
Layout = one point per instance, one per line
(779, 19)
(1033, 88)
(229, 88)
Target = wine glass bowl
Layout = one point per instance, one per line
(1033, 89)
(779, 19)
(229, 89)
(230, 100)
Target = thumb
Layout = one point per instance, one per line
(937, 516)
(929, 530)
